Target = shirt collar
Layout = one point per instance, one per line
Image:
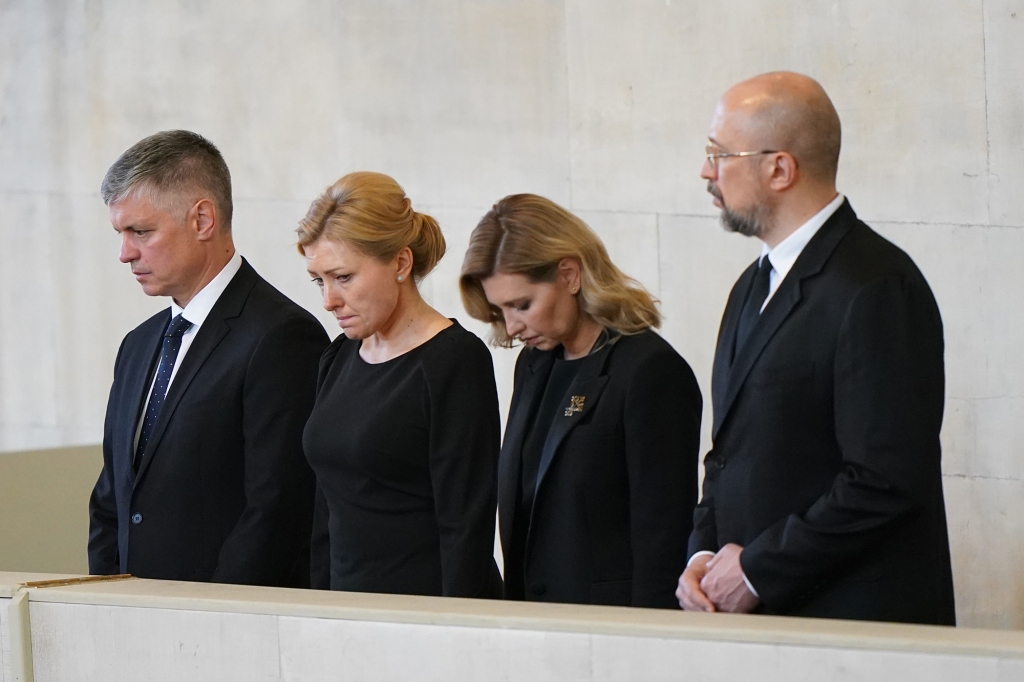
(785, 253)
(202, 303)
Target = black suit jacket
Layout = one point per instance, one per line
(826, 456)
(223, 492)
(617, 481)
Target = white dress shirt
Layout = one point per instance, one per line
(196, 312)
(785, 253)
(783, 258)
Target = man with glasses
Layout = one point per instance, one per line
(823, 489)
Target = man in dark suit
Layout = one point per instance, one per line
(203, 475)
(823, 490)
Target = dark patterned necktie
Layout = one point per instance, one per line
(752, 306)
(168, 354)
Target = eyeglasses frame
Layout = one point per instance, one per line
(713, 156)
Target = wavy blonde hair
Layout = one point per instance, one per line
(371, 212)
(529, 235)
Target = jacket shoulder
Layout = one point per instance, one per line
(865, 255)
(148, 329)
(647, 357)
(273, 306)
(644, 347)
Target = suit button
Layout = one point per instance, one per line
(720, 463)
(538, 589)
(136, 518)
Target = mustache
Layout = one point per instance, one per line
(714, 191)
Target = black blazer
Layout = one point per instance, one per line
(223, 491)
(826, 456)
(617, 481)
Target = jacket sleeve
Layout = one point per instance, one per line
(888, 397)
(465, 435)
(704, 537)
(104, 558)
(270, 542)
(662, 435)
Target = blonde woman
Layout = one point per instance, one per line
(405, 432)
(597, 478)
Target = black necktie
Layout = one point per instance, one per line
(168, 354)
(752, 306)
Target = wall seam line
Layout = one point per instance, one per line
(988, 142)
(568, 103)
(657, 247)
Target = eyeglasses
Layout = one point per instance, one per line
(714, 153)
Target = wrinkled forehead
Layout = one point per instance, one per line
(327, 254)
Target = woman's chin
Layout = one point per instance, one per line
(354, 333)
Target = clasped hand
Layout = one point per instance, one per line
(715, 583)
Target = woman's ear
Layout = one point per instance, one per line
(569, 273)
(403, 264)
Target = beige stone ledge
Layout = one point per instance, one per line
(597, 620)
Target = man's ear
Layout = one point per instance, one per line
(203, 218)
(784, 171)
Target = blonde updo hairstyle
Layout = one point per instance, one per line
(529, 235)
(371, 212)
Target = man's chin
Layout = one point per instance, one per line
(152, 289)
(748, 226)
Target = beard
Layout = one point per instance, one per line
(752, 223)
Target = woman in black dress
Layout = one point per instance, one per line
(597, 478)
(405, 433)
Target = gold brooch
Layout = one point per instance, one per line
(575, 404)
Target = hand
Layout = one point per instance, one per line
(723, 582)
(691, 597)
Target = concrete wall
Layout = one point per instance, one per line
(600, 105)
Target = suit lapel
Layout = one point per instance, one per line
(209, 336)
(584, 393)
(810, 262)
(510, 461)
(727, 339)
(141, 373)
(775, 313)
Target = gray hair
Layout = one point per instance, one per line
(179, 163)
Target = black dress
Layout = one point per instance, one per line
(405, 452)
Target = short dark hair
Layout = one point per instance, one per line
(172, 161)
